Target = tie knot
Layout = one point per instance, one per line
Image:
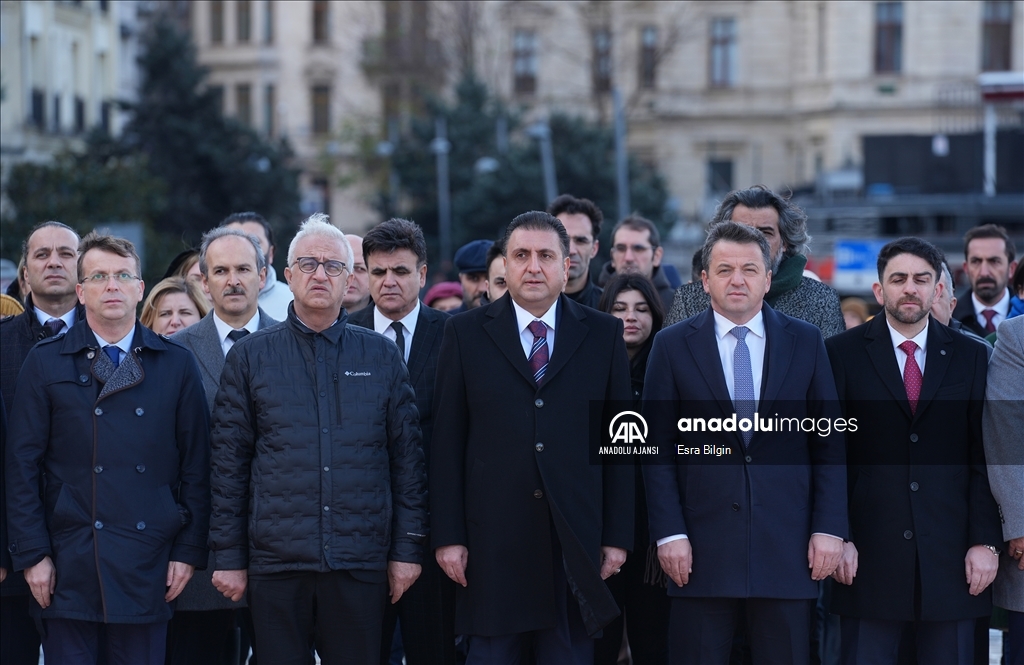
(397, 327)
(989, 314)
(739, 332)
(55, 326)
(538, 329)
(908, 347)
(114, 353)
(236, 335)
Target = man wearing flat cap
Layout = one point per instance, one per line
(471, 260)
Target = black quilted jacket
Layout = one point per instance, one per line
(317, 463)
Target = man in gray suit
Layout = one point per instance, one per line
(234, 270)
(1002, 425)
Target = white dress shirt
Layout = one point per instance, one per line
(524, 319)
(921, 339)
(755, 340)
(125, 344)
(382, 324)
(68, 318)
(223, 329)
(1001, 308)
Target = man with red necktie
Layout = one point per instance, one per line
(924, 528)
(989, 262)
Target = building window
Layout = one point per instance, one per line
(269, 108)
(79, 114)
(648, 56)
(601, 60)
(888, 37)
(321, 109)
(719, 176)
(723, 52)
(56, 113)
(105, 117)
(268, 22)
(997, 30)
(321, 33)
(524, 61)
(217, 21)
(243, 16)
(243, 103)
(39, 109)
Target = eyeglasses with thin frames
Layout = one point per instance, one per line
(101, 278)
(308, 264)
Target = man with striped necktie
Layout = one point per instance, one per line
(511, 484)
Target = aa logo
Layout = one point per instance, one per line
(628, 427)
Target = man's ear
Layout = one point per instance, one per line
(658, 253)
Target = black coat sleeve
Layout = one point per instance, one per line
(408, 469)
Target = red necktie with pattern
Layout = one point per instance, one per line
(989, 314)
(911, 375)
(539, 351)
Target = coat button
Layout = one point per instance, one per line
(327, 468)
(90, 355)
(141, 468)
(98, 524)
(538, 403)
(140, 526)
(736, 507)
(139, 411)
(539, 447)
(913, 438)
(908, 534)
(98, 411)
(83, 378)
(914, 487)
(98, 468)
(324, 430)
(537, 494)
(749, 458)
(327, 509)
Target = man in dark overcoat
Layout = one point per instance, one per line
(113, 427)
(520, 518)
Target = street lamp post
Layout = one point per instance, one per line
(542, 132)
(441, 147)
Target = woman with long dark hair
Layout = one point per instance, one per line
(639, 589)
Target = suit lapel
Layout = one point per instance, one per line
(780, 346)
(883, 357)
(208, 349)
(569, 334)
(504, 330)
(939, 355)
(704, 348)
(422, 342)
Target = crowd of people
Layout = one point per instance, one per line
(348, 465)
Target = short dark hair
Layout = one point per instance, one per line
(1017, 283)
(222, 232)
(638, 223)
(915, 246)
(991, 231)
(497, 249)
(43, 225)
(120, 246)
(792, 220)
(568, 203)
(394, 234)
(537, 221)
(243, 217)
(734, 232)
(696, 265)
(634, 281)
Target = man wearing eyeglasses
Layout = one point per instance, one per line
(319, 492)
(636, 247)
(111, 423)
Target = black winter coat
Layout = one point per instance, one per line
(122, 457)
(317, 463)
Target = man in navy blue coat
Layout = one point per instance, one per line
(748, 521)
(111, 423)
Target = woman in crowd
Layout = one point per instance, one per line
(173, 304)
(639, 588)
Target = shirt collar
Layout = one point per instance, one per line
(921, 338)
(524, 318)
(382, 323)
(223, 329)
(724, 325)
(68, 318)
(125, 343)
(1002, 307)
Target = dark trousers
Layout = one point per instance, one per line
(645, 609)
(878, 642)
(1013, 640)
(701, 630)
(19, 639)
(342, 609)
(203, 638)
(427, 611)
(74, 642)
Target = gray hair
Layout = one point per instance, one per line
(318, 225)
(792, 220)
(946, 278)
(223, 232)
(739, 233)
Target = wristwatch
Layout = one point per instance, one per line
(993, 549)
